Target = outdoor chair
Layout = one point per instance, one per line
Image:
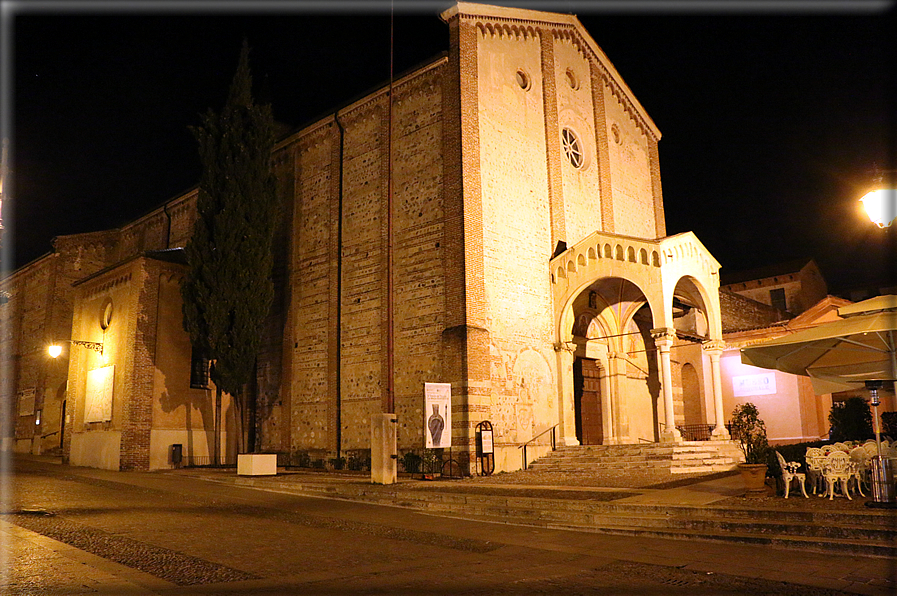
(863, 470)
(814, 459)
(839, 446)
(790, 472)
(837, 468)
(870, 448)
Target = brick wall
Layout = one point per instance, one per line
(740, 313)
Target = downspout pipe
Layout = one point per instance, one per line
(339, 287)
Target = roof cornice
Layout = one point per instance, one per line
(556, 22)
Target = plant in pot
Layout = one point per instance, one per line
(750, 431)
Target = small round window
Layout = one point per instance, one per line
(571, 79)
(106, 315)
(523, 80)
(572, 148)
(615, 131)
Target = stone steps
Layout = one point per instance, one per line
(682, 458)
(866, 532)
(818, 531)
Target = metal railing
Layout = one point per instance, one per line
(553, 443)
(206, 461)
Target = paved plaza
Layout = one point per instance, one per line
(85, 531)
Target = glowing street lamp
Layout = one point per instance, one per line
(881, 206)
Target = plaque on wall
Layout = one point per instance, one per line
(98, 398)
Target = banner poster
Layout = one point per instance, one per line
(438, 415)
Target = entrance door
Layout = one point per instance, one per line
(587, 401)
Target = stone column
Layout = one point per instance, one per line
(566, 408)
(663, 339)
(615, 437)
(714, 349)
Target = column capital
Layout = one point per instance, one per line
(714, 345)
(663, 336)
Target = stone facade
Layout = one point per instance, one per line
(516, 184)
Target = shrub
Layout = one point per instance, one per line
(359, 460)
(851, 420)
(750, 431)
(889, 424)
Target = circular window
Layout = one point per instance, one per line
(572, 148)
(523, 80)
(106, 315)
(571, 79)
(615, 131)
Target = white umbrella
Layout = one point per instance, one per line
(839, 355)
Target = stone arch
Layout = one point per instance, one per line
(691, 290)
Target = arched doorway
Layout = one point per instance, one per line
(691, 395)
(615, 383)
(587, 401)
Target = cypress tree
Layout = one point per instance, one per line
(228, 289)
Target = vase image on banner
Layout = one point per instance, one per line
(435, 425)
(437, 418)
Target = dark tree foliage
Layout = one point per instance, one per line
(228, 290)
(889, 424)
(851, 420)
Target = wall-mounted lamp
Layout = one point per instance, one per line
(55, 349)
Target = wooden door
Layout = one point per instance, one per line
(587, 400)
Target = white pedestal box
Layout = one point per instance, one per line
(257, 464)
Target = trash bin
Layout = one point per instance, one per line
(883, 480)
(177, 454)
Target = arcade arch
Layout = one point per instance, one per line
(624, 323)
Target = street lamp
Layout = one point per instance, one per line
(55, 349)
(881, 206)
(881, 202)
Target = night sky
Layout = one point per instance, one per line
(772, 122)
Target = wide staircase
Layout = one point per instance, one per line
(689, 457)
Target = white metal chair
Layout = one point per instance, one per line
(814, 459)
(837, 468)
(790, 472)
(862, 468)
(839, 446)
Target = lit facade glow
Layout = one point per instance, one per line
(881, 206)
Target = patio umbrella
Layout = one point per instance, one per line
(838, 355)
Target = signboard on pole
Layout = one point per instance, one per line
(438, 415)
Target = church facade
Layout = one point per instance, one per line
(531, 271)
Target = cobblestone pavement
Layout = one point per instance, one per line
(77, 531)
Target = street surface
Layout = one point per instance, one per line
(79, 531)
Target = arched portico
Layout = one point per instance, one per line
(658, 279)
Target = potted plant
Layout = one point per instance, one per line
(750, 432)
